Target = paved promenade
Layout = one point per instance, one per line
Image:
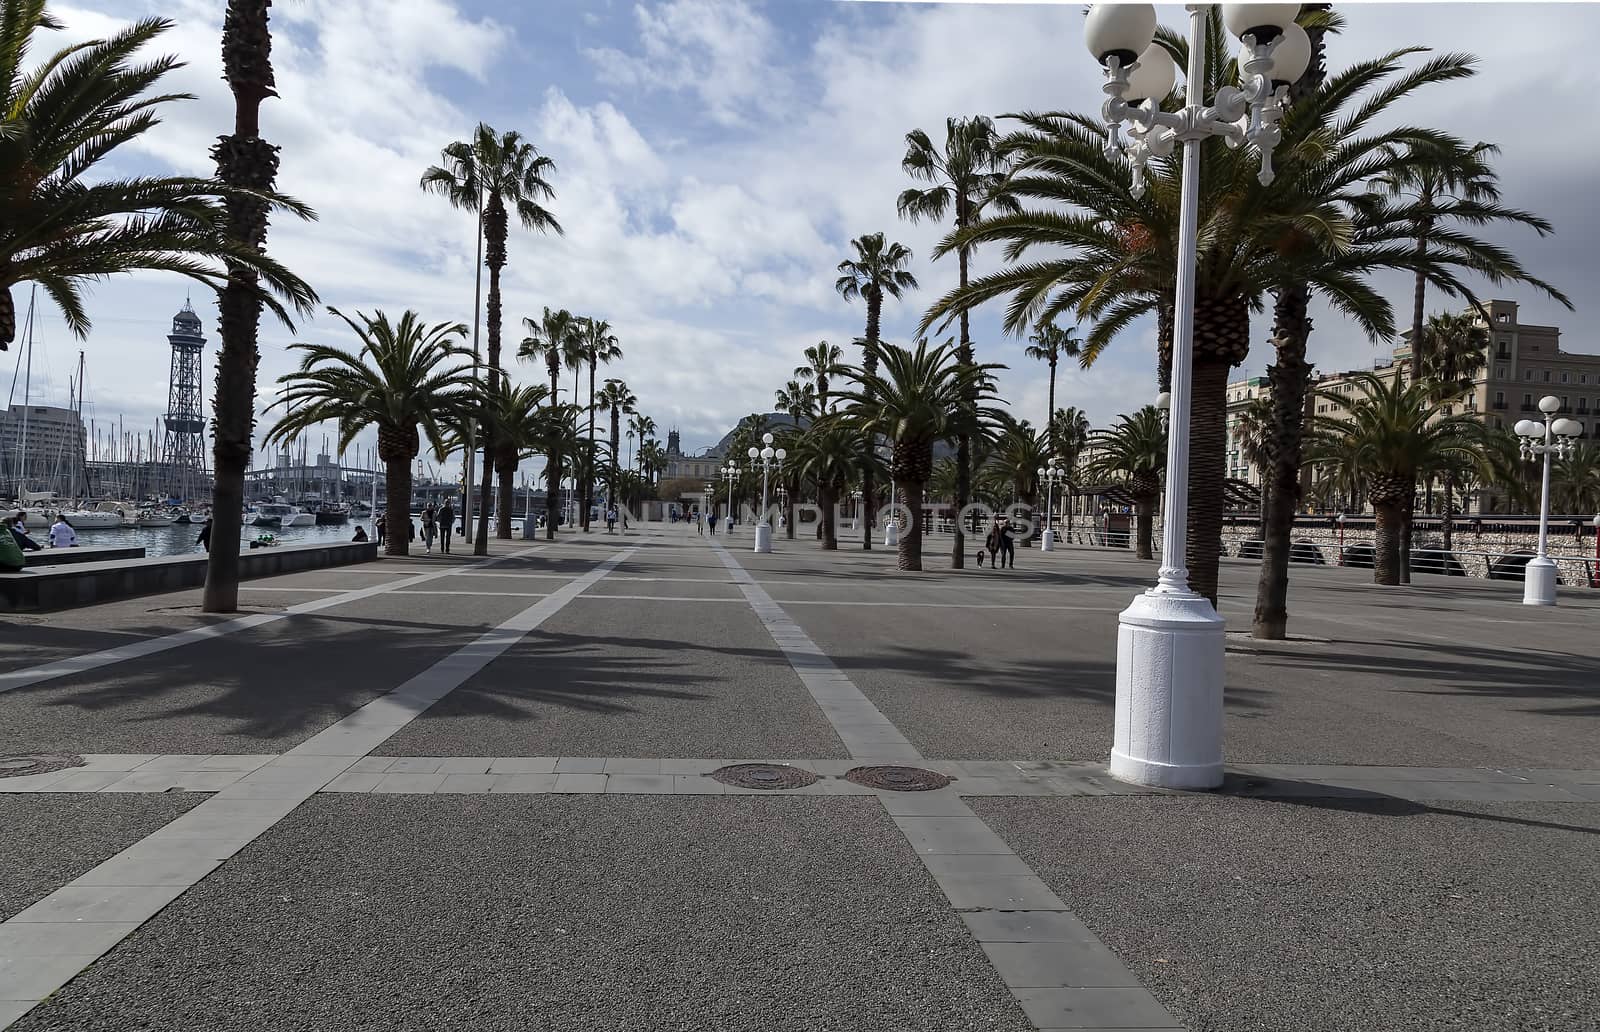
(446, 793)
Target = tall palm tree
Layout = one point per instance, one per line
(1019, 452)
(1048, 344)
(616, 397)
(550, 339)
(1316, 223)
(797, 400)
(641, 426)
(918, 399)
(831, 456)
(1392, 433)
(410, 380)
(966, 179)
(61, 118)
(249, 165)
(1253, 432)
(495, 174)
(1134, 453)
(1451, 351)
(600, 346)
(877, 270)
(653, 459)
(1575, 480)
(1465, 190)
(823, 362)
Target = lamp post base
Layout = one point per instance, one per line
(1047, 543)
(763, 537)
(891, 534)
(1539, 582)
(1168, 730)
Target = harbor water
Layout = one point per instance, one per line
(179, 538)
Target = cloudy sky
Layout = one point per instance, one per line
(714, 159)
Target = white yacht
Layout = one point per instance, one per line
(280, 514)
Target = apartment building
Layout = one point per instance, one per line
(41, 449)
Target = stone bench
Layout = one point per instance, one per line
(82, 584)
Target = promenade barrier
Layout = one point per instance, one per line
(83, 584)
(67, 556)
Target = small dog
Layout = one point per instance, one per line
(980, 557)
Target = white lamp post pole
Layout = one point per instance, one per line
(768, 457)
(1168, 728)
(730, 473)
(1549, 437)
(1047, 541)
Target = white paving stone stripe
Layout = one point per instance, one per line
(988, 878)
(92, 913)
(152, 646)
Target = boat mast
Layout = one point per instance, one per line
(27, 385)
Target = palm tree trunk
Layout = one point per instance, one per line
(958, 546)
(507, 495)
(1419, 288)
(397, 475)
(1408, 510)
(1447, 523)
(1290, 377)
(243, 159)
(1144, 527)
(827, 499)
(1164, 320)
(588, 481)
(869, 362)
(496, 226)
(1208, 445)
(909, 555)
(552, 462)
(1388, 517)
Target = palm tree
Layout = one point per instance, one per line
(493, 175)
(640, 427)
(1069, 432)
(1575, 480)
(1316, 224)
(1465, 190)
(616, 396)
(1049, 344)
(917, 400)
(1392, 433)
(1134, 453)
(823, 361)
(1018, 453)
(966, 179)
(831, 456)
(1451, 351)
(551, 339)
(248, 164)
(797, 400)
(877, 270)
(652, 459)
(409, 380)
(518, 414)
(62, 117)
(1253, 433)
(600, 345)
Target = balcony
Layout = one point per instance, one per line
(1529, 406)
(1498, 406)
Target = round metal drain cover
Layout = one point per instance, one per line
(898, 779)
(37, 763)
(763, 775)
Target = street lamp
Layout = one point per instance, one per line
(769, 458)
(1547, 437)
(1047, 541)
(1339, 519)
(1168, 729)
(730, 473)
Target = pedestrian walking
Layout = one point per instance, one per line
(204, 540)
(1008, 545)
(611, 520)
(62, 535)
(447, 525)
(429, 526)
(380, 524)
(992, 544)
(711, 522)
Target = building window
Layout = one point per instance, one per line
(1504, 317)
(1527, 403)
(1563, 402)
(1472, 403)
(1563, 377)
(1583, 377)
(1499, 398)
(1500, 372)
(1527, 374)
(1547, 376)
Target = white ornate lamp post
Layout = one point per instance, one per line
(1548, 437)
(769, 458)
(1168, 728)
(1050, 476)
(730, 473)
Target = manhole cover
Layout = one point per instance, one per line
(37, 763)
(764, 775)
(898, 779)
